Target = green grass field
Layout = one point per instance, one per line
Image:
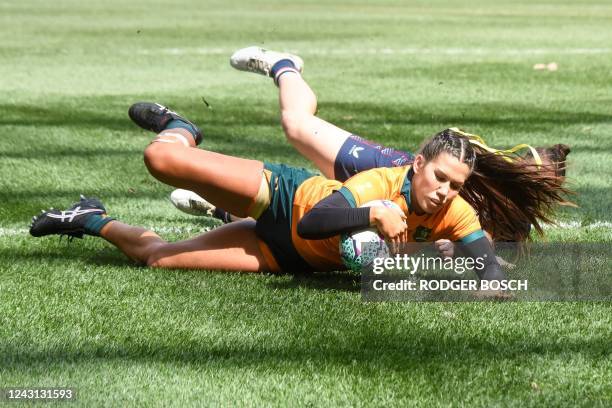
(83, 316)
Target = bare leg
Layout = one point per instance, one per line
(232, 247)
(136, 242)
(226, 181)
(316, 139)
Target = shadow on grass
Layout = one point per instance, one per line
(88, 251)
(412, 344)
(366, 349)
(63, 115)
(477, 114)
(233, 113)
(64, 251)
(253, 130)
(67, 152)
(20, 206)
(341, 280)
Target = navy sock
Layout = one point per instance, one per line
(284, 63)
(176, 123)
(94, 224)
(222, 215)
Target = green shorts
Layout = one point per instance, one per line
(274, 225)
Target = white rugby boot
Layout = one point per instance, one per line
(191, 203)
(261, 61)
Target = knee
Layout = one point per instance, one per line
(154, 253)
(158, 158)
(153, 262)
(294, 124)
(157, 260)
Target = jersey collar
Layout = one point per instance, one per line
(406, 189)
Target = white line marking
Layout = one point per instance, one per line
(13, 232)
(393, 51)
(577, 224)
(179, 230)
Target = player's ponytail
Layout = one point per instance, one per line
(556, 155)
(508, 191)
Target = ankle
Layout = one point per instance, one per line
(96, 223)
(183, 128)
(176, 135)
(282, 67)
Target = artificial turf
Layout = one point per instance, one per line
(81, 315)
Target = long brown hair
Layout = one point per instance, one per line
(509, 192)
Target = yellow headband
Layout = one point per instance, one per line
(479, 141)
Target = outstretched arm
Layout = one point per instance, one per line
(481, 248)
(334, 215)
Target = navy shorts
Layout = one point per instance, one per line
(357, 155)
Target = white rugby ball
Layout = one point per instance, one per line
(358, 249)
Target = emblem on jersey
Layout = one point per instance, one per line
(355, 151)
(400, 161)
(421, 234)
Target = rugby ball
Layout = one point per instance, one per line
(358, 249)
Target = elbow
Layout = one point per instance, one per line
(309, 226)
(303, 228)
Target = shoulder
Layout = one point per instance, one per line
(386, 172)
(461, 208)
(458, 221)
(376, 177)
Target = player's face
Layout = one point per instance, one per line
(437, 181)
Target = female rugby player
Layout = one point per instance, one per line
(337, 153)
(297, 216)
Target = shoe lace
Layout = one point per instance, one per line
(257, 65)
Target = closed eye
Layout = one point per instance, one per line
(440, 177)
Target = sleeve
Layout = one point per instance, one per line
(481, 248)
(366, 186)
(332, 216)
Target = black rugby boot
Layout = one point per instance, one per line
(74, 222)
(155, 117)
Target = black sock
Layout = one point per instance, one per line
(222, 215)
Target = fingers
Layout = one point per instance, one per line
(397, 240)
(445, 247)
(442, 243)
(396, 243)
(392, 225)
(402, 232)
